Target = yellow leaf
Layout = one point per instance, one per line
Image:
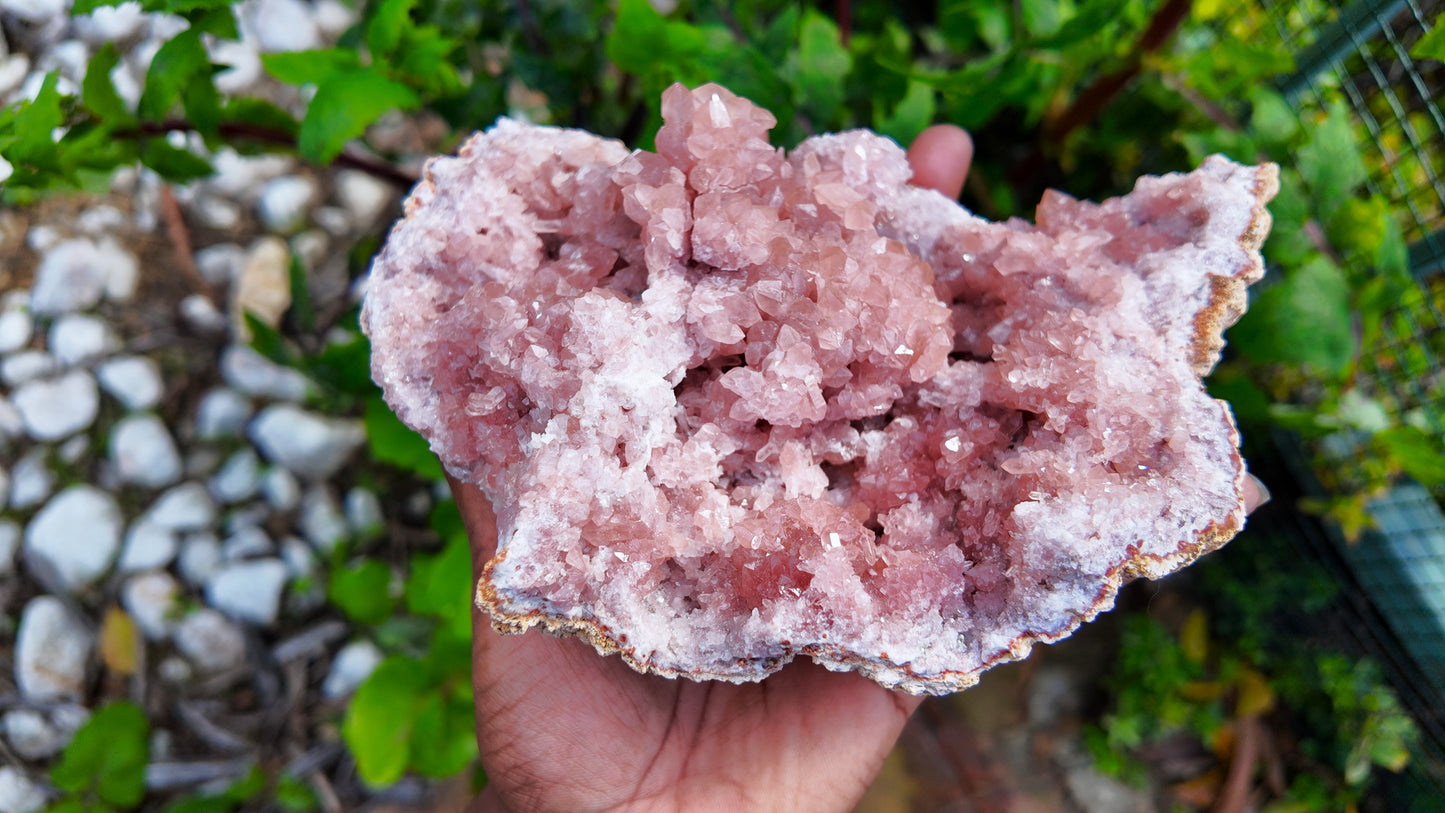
(1202, 691)
(1255, 695)
(1209, 9)
(119, 642)
(1194, 637)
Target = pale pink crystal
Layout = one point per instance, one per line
(733, 406)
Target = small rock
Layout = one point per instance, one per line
(18, 794)
(71, 451)
(147, 546)
(309, 445)
(11, 427)
(33, 736)
(31, 480)
(71, 277)
(16, 326)
(364, 196)
(221, 263)
(239, 478)
(334, 17)
(27, 365)
(134, 381)
(77, 338)
(363, 512)
(280, 25)
(67, 56)
(243, 66)
(280, 489)
(350, 668)
(264, 287)
(72, 541)
(251, 516)
(150, 598)
(320, 522)
(217, 213)
(240, 176)
(253, 374)
(249, 591)
(13, 70)
(299, 558)
(246, 543)
(98, 220)
(210, 640)
(334, 219)
(52, 648)
(200, 559)
(9, 543)
(144, 452)
(56, 408)
(222, 414)
(175, 670)
(200, 313)
(122, 272)
(285, 202)
(202, 460)
(185, 507)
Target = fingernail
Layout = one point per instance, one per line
(1263, 490)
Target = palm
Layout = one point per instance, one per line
(562, 729)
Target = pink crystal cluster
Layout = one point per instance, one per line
(734, 405)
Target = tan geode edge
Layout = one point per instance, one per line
(1227, 302)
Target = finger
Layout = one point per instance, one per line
(1255, 493)
(940, 157)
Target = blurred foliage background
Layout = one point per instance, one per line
(1337, 362)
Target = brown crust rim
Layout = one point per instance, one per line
(1227, 299)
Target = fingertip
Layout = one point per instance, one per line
(940, 157)
(1255, 493)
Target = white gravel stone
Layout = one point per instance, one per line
(72, 450)
(71, 542)
(110, 23)
(241, 176)
(150, 598)
(334, 219)
(186, 507)
(333, 17)
(13, 70)
(200, 559)
(217, 213)
(71, 277)
(67, 56)
(122, 272)
(11, 427)
(211, 641)
(249, 591)
(77, 338)
(201, 314)
(143, 452)
(350, 668)
(52, 648)
(147, 546)
(222, 414)
(134, 381)
(263, 288)
(18, 794)
(27, 365)
(238, 479)
(285, 202)
(280, 489)
(363, 512)
(243, 65)
(280, 25)
(35, 11)
(16, 327)
(31, 479)
(323, 525)
(9, 543)
(250, 516)
(34, 735)
(57, 408)
(246, 543)
(97, 220)
(364, 196)
(300, 559)
(253, 374)
(175, 670)
(221, 263)
(311, 446)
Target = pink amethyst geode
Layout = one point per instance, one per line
(734, 406)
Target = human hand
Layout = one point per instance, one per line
(562, 729)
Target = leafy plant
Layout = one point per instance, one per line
(103, 767)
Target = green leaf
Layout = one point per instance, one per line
(294, 795)
(344, 366)
(444, 740)
(177, 69)
(344, 105)
(820, 68)
(1272, 119)
(441, 585)
(1249, 402)
(363, 592)
(1356, 227)
(1042, 18)
(1417, 453)
(108, 756)
(260, 113)
(301, 310)
(392, 442)
(1304, 319)
(310, 67)
(642, 39)
(217, 20)
(379, 721)
(98, 91)
(268, 341)
(173, 163)
(1432, 45)
(387, 27)
(1330, 163)
(910, 116)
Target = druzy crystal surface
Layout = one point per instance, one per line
(734, 406)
